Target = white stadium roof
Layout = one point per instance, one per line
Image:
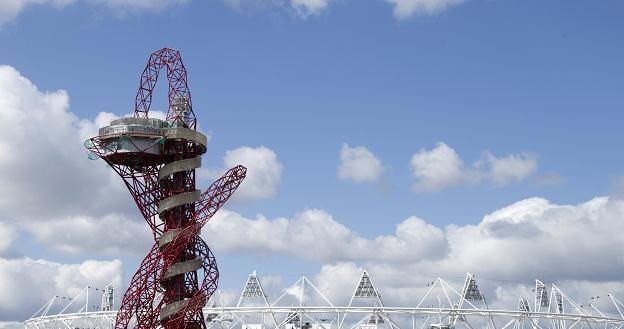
(303, 306)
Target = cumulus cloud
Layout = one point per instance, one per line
(358, 164)
(11, 325)
(530, 238)
(8, 234)
(30, 283)
(264, 172)
(399, 287)
(336, 281)
(112, 234)
(51, 190)
(314, 234)
(510, 169)
(576, 246)
(537, 238)
(10, 9)
(407, 8)
(441, 168)
(37, 128)
(71, 204)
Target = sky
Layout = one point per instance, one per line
(411, 138)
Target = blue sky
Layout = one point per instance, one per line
(541, 80)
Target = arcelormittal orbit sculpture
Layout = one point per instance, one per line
(157, 160)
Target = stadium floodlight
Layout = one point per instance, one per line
(471, 289)
(365, 288)
(523, 305)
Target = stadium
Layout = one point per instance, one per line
(304, 306)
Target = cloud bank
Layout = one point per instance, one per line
(63, 205)
(315, 235)
(575, 246)
(530, 238)
(29, 283)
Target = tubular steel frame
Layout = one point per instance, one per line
(182, 294)
(178, 82)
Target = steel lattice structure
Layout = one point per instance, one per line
(441, 306)
(157, 160)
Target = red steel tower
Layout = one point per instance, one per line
(157, 160)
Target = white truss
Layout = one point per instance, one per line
(76, 312)
(541, 295)
(365, 291)
(523, 305)
(252, 295)
(108, 298)
(303, 306)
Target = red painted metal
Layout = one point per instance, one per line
(139, 171)
(178, 84)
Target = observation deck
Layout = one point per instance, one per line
(140, 141)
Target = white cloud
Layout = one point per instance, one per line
(336, 281)
(112, 234)
(10, 9)
(304, 8)
(358, 164)
(11, 325)
(537, 238)
(578, 247)
(510, 169)
(314, 234)
(407, 8)
(8, 235)
(441, 168)
(264, 172)
(30, 283)
(44, 168)
(396, 286)
(301, 8)
(50, 188)
(532, 238)
(309, 7)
